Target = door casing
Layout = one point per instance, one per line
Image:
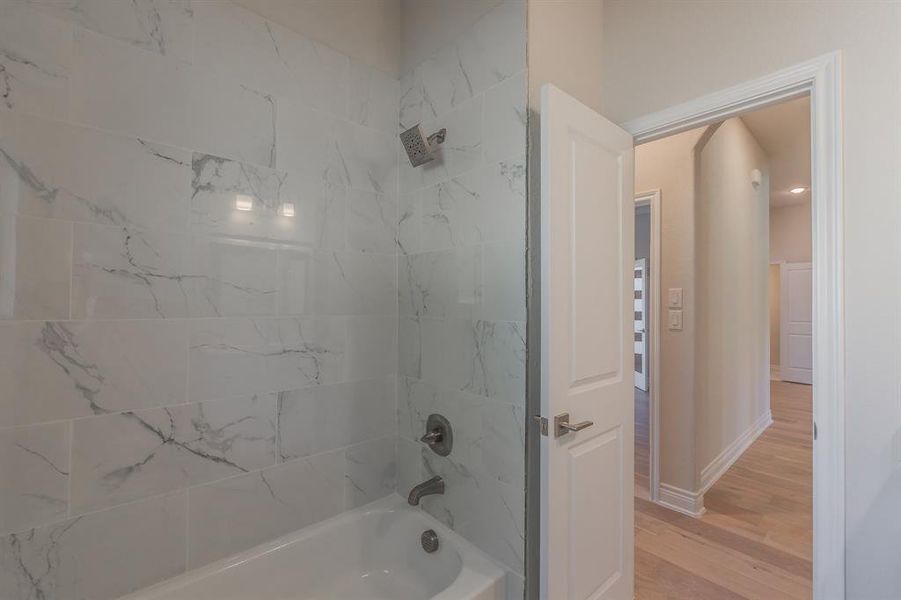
(820, 78)
(651, 198)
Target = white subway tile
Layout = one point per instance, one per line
(371, 471)
(231, 357)
(71, 559)
(35, 266)
(61, 370)
(371, 347)
(373, 98)
(161, 26)
(228, 516)
(327, 417)
(285, 207)
(486, 358)
(35, 61)
(34, 475)
(129, 273)
(127, 456)
(243, 46)
(506, 116)
(371, 222)
(60, 171)
(337, 151)
(120, 88)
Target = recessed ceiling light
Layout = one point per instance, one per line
(798, 190)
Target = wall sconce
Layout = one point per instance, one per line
(243, 202)
(287, 209)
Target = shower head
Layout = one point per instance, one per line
(420, 149)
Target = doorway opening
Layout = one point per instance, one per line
(586, 380)
(646, 309)
(731, 449)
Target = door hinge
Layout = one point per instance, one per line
(814, 431)
(542, 424)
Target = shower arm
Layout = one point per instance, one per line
(438, 136)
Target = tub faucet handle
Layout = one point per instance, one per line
(439, 436)
(433, 437)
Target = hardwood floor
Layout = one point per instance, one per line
(754, 541)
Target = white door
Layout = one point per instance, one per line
(640, 274)
(587, 216)
(796, 322)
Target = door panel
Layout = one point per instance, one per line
(587, 343)
(596, 260)
(796, 323)
(592, 572)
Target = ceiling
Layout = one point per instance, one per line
(783, 131)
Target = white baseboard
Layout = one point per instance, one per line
(719, 465)
(683, 501)
(775, 373)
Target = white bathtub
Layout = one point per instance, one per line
(370, 553)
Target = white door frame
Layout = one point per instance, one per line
(821, 79)
(652, 307)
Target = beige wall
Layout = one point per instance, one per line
(714, 247)
(657, 54)
(366, 30)
(790, 241)
(790, 233)
(565, 49)
(732, 261)
(668, 165)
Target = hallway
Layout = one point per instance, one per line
(642, 443)
(754, 541)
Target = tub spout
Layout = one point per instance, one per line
(435, 485)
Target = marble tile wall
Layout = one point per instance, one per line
(181, 379)
(461, 284)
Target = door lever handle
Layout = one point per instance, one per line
(562, 426)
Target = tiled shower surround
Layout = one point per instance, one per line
(461, 283)
(181, 379)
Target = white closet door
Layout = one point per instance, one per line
(796, 322)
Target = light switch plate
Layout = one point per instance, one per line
(675, 320)
(674, 299)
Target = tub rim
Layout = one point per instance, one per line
(478, 574)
